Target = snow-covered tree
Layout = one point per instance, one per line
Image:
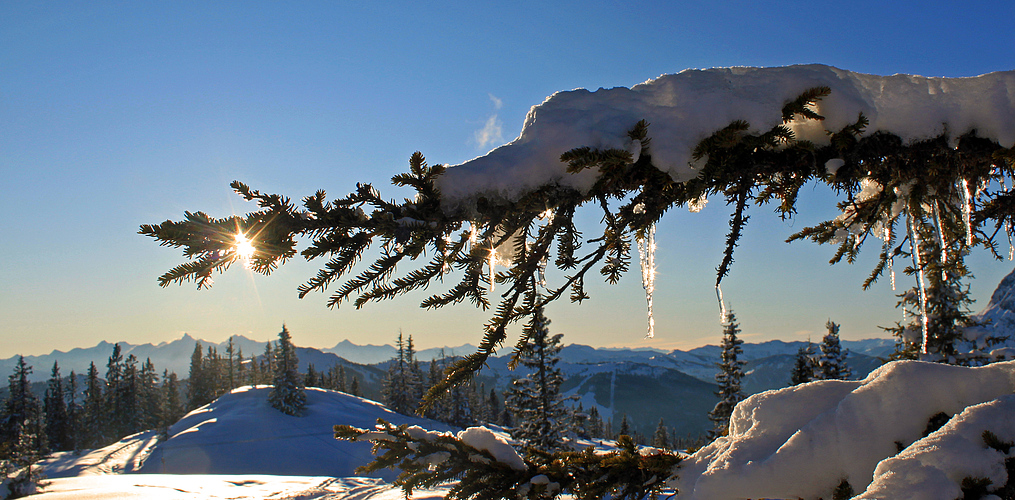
(535, 400)
(731, 372)
(288, 395)
(22, 429)
(403, 380)
(831, 365)
(803, 365)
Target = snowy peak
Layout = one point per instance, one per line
(1000, 311)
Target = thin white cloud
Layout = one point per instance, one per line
(497, 103)
(492, 132)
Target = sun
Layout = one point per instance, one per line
(243, 248)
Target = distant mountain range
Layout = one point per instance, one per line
(641, 383)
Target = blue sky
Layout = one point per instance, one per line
(114, 115)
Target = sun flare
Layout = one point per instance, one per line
(243, 249)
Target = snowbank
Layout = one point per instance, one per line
(167, 486)
(686, 107)
(800, 442)
(240, 433)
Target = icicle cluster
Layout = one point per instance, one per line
(647, 256)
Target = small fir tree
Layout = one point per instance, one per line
(536, 400)
(354, 388)
(832, 363)
(95, 430)
(57, 420)
(803, 365)
(23, 431)
(74, 413)
(661, 437)
(731, 372)
(625, 427)
(288, 395)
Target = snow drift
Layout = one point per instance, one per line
(240, 433)
(686, 107)
(800, 442)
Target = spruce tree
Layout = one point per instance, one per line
(661, 436)
(311, 379)
(22, 429)
(396, 390)
(594, 424)
(74, 413)
(731, 372)
(803, 365)
(287, 395)
(536, 400)
(625, 428)
(114, 406)
(198, 390)
(172, 404)
(94, 421)
(354, 389)
(55, 407)
(832, 363)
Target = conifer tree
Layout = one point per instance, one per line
(312, 378)
(661, 436)
(354, 389)
(172, 403)
(594, 424)
(396, 391)
(731, 372)
(130, 417)
(22, 429)
(803, 365)
(536, 400)
(198, 392)
(287, 395)
(494, 407)
(625, 427)
(55, 408)
(832, 363)
(230, 376)
(74, 413)
(114, 411)
(340, 379)
(95, 424)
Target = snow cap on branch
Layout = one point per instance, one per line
(684, 108)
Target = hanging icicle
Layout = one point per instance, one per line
(891, 256)
(722, 304)
(940, 238)
(647, 256)
(492, 261)
(967, 211)
(914, 246)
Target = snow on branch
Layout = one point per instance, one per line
(685, 108)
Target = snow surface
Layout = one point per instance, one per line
(240, 433)
(684, 108)
(801, 441)
(484, 439)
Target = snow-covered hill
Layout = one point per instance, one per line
(240, 433)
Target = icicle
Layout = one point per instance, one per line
(967, 211)
(1011, 246)
(891, 256)
(647, 256)
(493, 267)
(940, 238)
(914, 246)
(722, 304)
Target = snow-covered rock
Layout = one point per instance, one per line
(686, 107)
(801, 441)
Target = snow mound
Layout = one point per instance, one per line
(801, 441)
(124, 456)
(167, 486)
(686, 107)
(240, 433)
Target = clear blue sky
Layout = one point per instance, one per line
(114, 115)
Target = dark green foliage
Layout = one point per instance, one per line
(936, 421)
(287, 395)
(535, 400)
(803, 365)
(992, 441)
(429, 460)
(22, 432)
(731, 372)
(844, 491)
(974, 488)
